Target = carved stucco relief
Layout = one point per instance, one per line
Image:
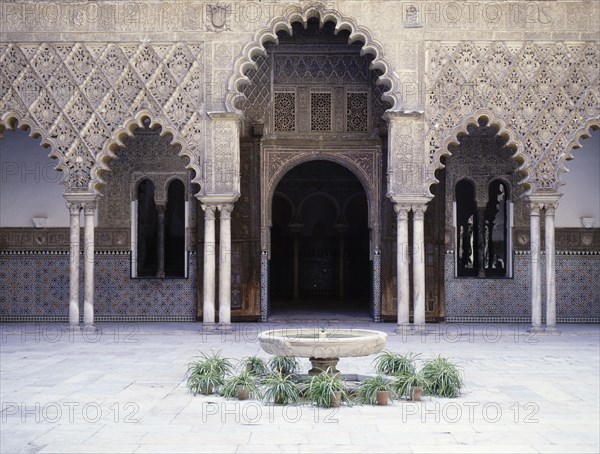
(541, 95)
(79, 97)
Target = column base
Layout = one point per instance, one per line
(225, 328)
(89, 328)
(421, 328)
(160, 275)
(209, 328)
(535, 329)
(551, 330)
(404, 329)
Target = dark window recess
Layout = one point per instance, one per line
(147, 231)
(175, 230)
(466, 229)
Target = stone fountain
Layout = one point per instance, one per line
(323, 347)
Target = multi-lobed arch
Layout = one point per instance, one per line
(268, 34)
(116, 141)
(583, 133)
(502, 130)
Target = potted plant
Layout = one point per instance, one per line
(280, 389)
(375, 390)
(444, 378)
(241, 386)
(255, 365)
(410, 385)
(390, 363)
(285, 365)
(207, 373)
(326, 390)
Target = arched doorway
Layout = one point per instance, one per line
(320, 265)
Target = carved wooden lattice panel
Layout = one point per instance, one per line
(320, 111)
(284, 106)
(357, 105)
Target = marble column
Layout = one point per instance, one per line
(208, 307)
(481, 241)
(419, 266)
(89, 209)
(550, 268)
(74, 240)
(160, 272)
(402, 267)
(536, 271)
(225, 266)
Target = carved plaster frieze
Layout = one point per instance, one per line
(542, 96)
(83, 97)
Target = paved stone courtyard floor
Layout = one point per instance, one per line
(122, 389)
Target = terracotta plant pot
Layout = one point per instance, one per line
(383, 397)
(336, 399)
(242, 393)
(415, 393)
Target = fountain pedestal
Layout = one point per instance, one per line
(323, 365)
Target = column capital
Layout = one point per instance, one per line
(225, 210)
(535, 208)
(90, 207)
(209, 211)
(74, 207)
(161, 208)
(545, 200)
(402, 210)
(419, 211)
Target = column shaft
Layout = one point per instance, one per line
(74, 240)
(536, 271)
(88, 255)
(550, 269)
(208, 308)
(225, 265)
(402, 266)
(419, 265)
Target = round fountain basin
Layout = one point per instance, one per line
(317, 343)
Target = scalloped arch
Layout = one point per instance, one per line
(269, 34)
(566, 155)
(503, 131)
(12, 120)
(115, 141)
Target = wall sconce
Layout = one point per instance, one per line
(588, 222)
(39, 222)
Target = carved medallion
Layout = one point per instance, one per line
(218, 14)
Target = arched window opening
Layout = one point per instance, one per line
(175, 230)
(147, 230)
(466, 229)
(496, 230)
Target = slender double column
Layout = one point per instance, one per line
(74, 246)
(208, 308)
(225, 266)
(543, 204)
(89, 210)
(418, 266)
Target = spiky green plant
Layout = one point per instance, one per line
(245, 379)
(390, 363)
(255, 365)
(284, 365)
(405, 382)
(203, 382)
(367, 389)
(444, 378)
(280, 389)
(206, 374)
(321, 389)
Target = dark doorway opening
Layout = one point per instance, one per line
(320, 265)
